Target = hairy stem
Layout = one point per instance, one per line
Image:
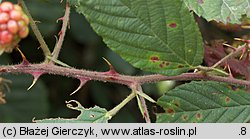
(59, 44)
(134, 82)
(121, 79)
(36, 31)
(143, 105)
(145, 108)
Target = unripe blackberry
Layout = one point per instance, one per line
(13, 26)
(6, 7)
(4, 17)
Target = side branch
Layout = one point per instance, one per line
(62, 33)
(36, 31)
(120, 79)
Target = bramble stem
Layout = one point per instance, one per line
(121, 79)
(129, 81)
(145, 108)
(36, 31)
(59, 44)
(134, 82)
(142, 101)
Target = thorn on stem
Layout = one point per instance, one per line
(60, 33)
(238, 39)
(36, 76)
(229, 46)
(25, 61)
(83, 81)
(112, 70)
(244, 51)
(242, 40)
(59, 19)
(230, 72)
(145, 115)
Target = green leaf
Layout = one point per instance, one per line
(154, 35)
(220, 10)
(73, 2)
(92, 115)
(205, 102)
